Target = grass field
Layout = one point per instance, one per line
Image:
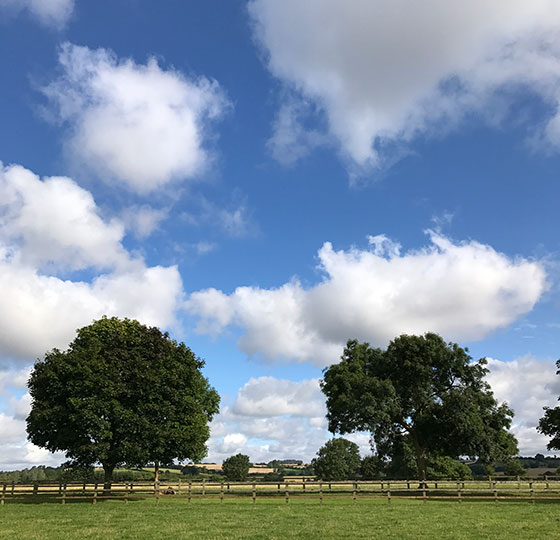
(272, 518)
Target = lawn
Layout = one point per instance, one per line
(272, 518)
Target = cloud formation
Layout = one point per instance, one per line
(384, 72)
(53, 225)
(140, 125)
(461, 290)
(53, 13)
(527, 384)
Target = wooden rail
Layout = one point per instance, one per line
(493, 489)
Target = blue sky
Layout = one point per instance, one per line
(268, 179)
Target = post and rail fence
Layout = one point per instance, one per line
(494, 489)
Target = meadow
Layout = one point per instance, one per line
(271, 518)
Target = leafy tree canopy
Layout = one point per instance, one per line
(419, 396)
(236, 468)
(338, 459)
(549, 424)
(123, 393)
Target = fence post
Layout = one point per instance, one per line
(287, 494)
(13, 487)
(424, 492)
(222, 492)
(254, 493)
(179, 488)
(126, 492)
(203, 488)
(35, 489)
(329, 487)
(354, 492)
(518, 483)
(3, 492)
(321, 492)
(84, 488)
(408, 485)
(459, 491)
(189, 492)
(95, 494)
(64, 494)
(60, 488)
(156, 489)
(532, 492)
(389, 492)
(495, 492)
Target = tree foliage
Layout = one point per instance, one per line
(549, 424)
(338, 459)
(123, 393)
(419, 397)
(236, 468)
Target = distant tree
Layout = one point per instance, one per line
(236, 468)
(123, 393)
(372, 468)
(421, 394)
(514, 468)
(549, 424)
(338, 459)
(445, 467)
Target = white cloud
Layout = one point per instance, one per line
(462, 291)
(268, 396)
(54, 13)
(386, 71)
(143, 220)
(53, 223)
(527, 384)
(139, 124)
(275, 419)
(55, 220)
(13, 378)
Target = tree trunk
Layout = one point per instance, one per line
(108, 478)
(420, 461)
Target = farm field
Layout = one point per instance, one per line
(271, 518)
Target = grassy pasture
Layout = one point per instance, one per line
(272, 518)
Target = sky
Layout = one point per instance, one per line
(268, 179)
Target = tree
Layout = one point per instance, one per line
(549, 424)
(420, 396)
(372, 468)
(121, 394)
(236, 468)
(338, 459)
(514, 468)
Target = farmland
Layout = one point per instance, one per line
(272, 518)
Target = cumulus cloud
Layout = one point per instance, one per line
(55, 220)
(268, 396)
(460, 290)
(53, 13)
(275, 419)
(384, 72)
(527, 384)
(141, 125)
(143, 220)
(51, 224)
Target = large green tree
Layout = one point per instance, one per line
(420, 395)
(121, 394)
(549, 424)
(236, 468)
(337, 459)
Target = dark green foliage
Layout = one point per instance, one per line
(420, 396)
(338, 459)
(372, 468)
(549, 424)
(444, 467)
(236, 468)
(123, 393)
(514, 468)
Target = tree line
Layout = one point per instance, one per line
(125, 394)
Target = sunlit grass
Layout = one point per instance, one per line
(273, 518)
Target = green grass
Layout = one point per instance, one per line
(272, 518)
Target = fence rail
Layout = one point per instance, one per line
(491, 489)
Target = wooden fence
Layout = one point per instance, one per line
(496, 489)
